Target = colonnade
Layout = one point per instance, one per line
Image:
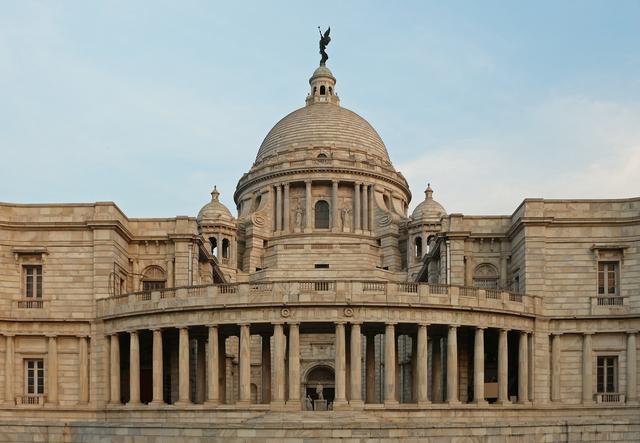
(360, 213)
(284, 387)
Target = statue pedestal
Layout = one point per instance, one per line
(320, 405)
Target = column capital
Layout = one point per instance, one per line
(8, 334)
(423, 323)
(481, 327)
(286, 185)
(182, 327)
(293, 323)
(51, 335)
(339, 322)
(133, 331)
(454, 326)
(277, 322)
(588, 333)
(555, 334)
(244, 323)
(632, 332)
(504, 329)
(214, 326)
(390, 323)
(83, 336)
(308, 182)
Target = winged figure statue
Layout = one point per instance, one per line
(324, 42)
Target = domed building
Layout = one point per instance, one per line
(322, 309)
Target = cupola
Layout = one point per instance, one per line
(323, 85)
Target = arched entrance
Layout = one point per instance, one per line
(318, 378)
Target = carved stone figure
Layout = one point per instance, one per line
(297, 220)
(324, 42)
(319, 392)
(345, 217)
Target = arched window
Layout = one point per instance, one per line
(323, 90)
(322, 214)
(430, 241)
(417, 247)
(485, 276)
(322, 155)
(214, 246)
(153, 278)
(315, 89)
(330, 90)
(226, 248)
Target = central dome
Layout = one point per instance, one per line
(323, 124)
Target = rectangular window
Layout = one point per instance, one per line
(608, 280)
(607, 379)
(34, 377)
(151, 285)
(33, 281)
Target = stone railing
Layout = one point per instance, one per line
(322, 292)
(30, 304)
(610, 398)
(32, 400)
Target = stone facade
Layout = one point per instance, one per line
(322, 311)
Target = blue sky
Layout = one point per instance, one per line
(149, 104)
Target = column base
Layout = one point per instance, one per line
(502, 402)
(453, 402)
(277, 405)
(243, 403)
(356, 404)
(480, 402)
(157, 403)
(308, 230)
(293, 405)
(182, 403)
(391, 403)
(524, 403)
(424, 404)
(211, 403)
(340, 405)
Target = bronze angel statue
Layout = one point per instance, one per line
(324, 42)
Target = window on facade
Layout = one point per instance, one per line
(214, 246)
(33, 281)
(34, 376)
(322, 214)
(225, 248)
(607, 380)
(417, 244)
(153, 279)
(608, 278)
(485, 276)
(322, 90)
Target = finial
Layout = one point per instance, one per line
(324, 42)
(215, 194)
(428, 192)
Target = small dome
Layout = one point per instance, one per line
(429, 208)
(214, 211)
(322, 71)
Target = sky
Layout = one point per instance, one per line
(151, 104)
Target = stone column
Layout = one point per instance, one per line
(357, 212)
(213, 367)
(531, 366)
(372, 207)
(222, 367)
(422, 365)
(365, 208)
(183, 366)
(157, 368)
(245, 364)
(340, 365)
(9, 363)
(390, 364)
(371, 368)
(278, 341)
(52, 352)
(587, 368)
(285, 210)
(308, 216)
(478, 367)
(265, 357)
(437, 370)
(134, 369)
(555, 367)
(279, 208)
(334, 206)
(452, 365)
(356, 366)
(114, 367)
(294, 365)
(83, 355)
(632, 372)
(170, 273)
(503, 368)
(523, 367)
